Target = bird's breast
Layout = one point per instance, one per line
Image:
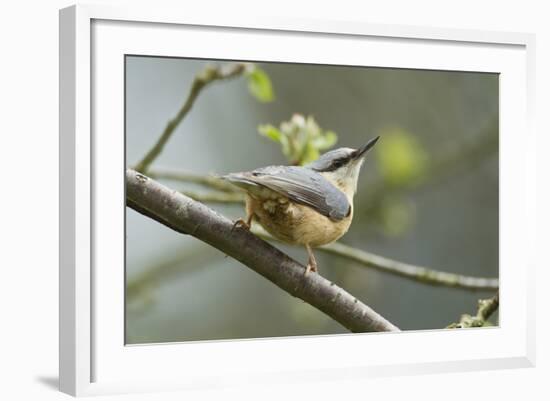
(295, 223)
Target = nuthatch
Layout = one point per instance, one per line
(310, 205)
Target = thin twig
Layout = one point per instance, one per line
(184, 261)
(215, 197)
(185, 215)
(485, 308)
(412, 272)
(208, 75)
(209, 181)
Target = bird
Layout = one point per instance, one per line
(310, 205)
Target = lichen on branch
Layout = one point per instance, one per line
(485, 309)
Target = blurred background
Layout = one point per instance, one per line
(428, 193)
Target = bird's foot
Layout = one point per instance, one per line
(311, 267)
(240, 223)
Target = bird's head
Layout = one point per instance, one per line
(341, 166)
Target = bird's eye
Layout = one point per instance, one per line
(338, 163)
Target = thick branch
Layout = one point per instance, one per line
(208, 75)
(185, 215)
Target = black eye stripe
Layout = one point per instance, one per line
(331, 161)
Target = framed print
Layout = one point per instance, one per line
(355, 196)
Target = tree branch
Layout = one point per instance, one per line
(485, 308)
(412, 272)
(208, 75)
(216, 197)
(165, 268)
(209, 181)
(185, 215)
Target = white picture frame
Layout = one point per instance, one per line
(93, 357)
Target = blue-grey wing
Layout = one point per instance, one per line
(302, 185)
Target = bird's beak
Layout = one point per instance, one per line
(359, 153)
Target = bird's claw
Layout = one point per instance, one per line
(240, 223)
(311, 267)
